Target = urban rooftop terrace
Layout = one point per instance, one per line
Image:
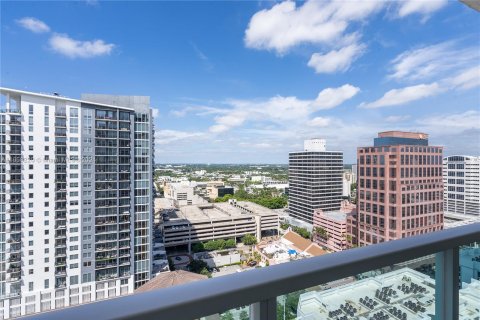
(260, 288)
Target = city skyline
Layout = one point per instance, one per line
(226, 89)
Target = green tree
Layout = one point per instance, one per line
(302, 232)
(244, 315)
(284, 225)
(230, 243)
(197, 266)
(227, 316)
(198, 247)
(249, 239)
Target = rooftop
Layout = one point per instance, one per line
(408, 291)
(403, 134)
(219, 210)
(169, 279)
(14, 93)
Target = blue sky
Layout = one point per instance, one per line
(247, 82)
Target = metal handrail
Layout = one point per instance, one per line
(202, 298)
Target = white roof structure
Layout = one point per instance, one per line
(403, 291)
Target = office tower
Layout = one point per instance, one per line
(461, 180)
(315, 180)
(75, 201)
(400, 188)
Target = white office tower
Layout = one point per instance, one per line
(75, 200)
(315, 179)
(461, 182)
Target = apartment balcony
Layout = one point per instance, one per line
(14, 122)
(14, 240)
(14, 258)
(15, 249)
(60, 273)
(60, 216)
(103, 248)
(60, 114)
(60, 263)
(60, 244)
(263, 289)
(60, 253)
(106, 277)
(13, 279)
(105, 265)
(14, 269)
(13, 231)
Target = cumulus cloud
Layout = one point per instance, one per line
(281, 109)
(430, 61)
(63, 44)
(34, 25)
(336, 60)
(424, 7)
(315, 22)
(404, 95)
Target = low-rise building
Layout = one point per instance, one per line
(217, 189)
(182, 193)
(400, 294)
(196, 223)
(330, 228)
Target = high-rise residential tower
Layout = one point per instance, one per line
(400, 187)
(461, 179)
(314, 179)
(75, 199)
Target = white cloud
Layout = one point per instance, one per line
(336, 60)
(397, 118)
(169, 136)
(451, 123)
(280, 109)
(198, 110)
(34, 25)
(404, 95)
(72, 48)
(424, 7)
(155, 112)
(319, 122)
(467, 79)
(434, 60)
(315, 22)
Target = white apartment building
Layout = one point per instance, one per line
(461, 181)
(314, 180)
(75, 199)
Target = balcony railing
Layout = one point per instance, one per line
(260, 288)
